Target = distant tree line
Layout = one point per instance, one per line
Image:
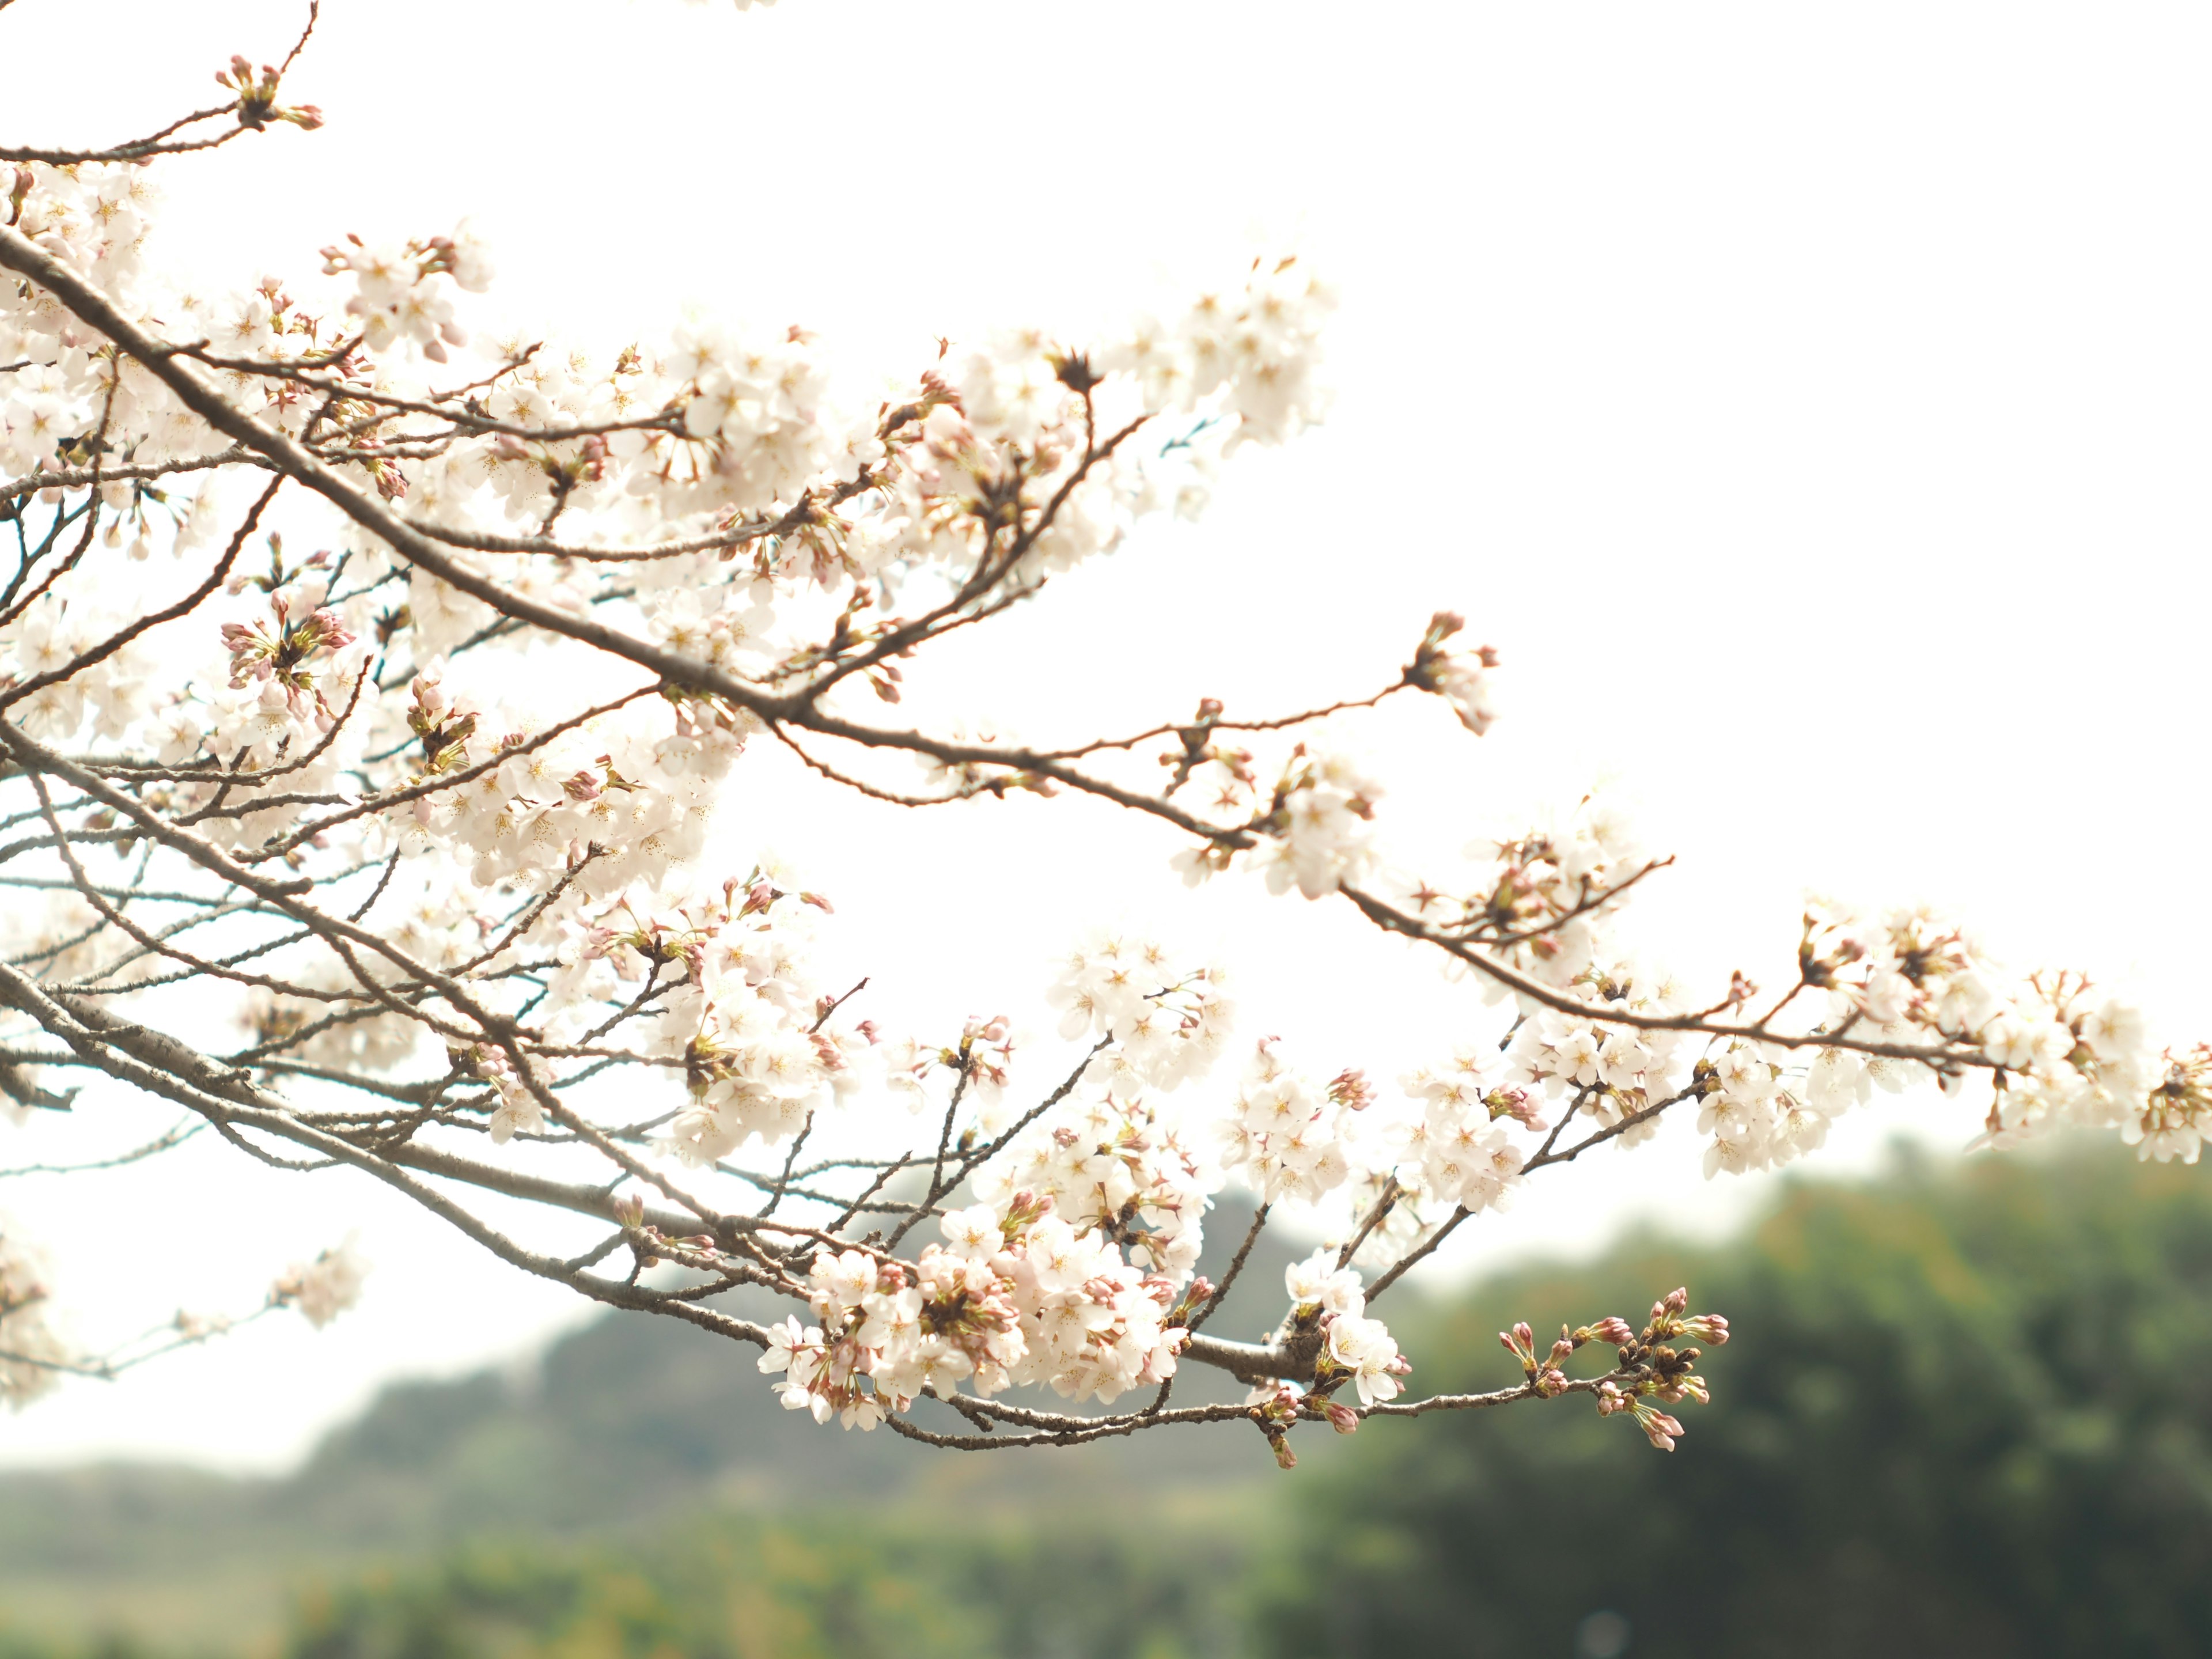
(1971, 1414)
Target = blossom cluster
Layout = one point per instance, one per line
(743, 1020)
(1315, 831)
(94, 219)
(1461, 678)
(1327, 1318)
(1289, 1138)
(1652, 1372)
(1649, 1370)
(1322, 825)
(29, 1348)
(635, 788)
(1459, 1151)
(1022, 1297)
(397, 296)
(1619, 1075)
(1120, 1168)
(710, 425)
(283, 655)
(2067, 1053)
(1166, 1025)
(50, 653)
(324, 1288)
(1328, 1300)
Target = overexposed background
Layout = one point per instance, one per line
(1811, 405)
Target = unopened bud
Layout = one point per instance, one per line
(1284, 1457)
(1342, 1418)
(1196, 1295)
(1351, 1090)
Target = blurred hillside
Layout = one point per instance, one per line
(1967, 1413)
(625, 1422)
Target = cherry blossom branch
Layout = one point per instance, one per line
(1940, 1057)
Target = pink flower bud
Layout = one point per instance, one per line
(1351, 1089)
(1343, 1419)
(1677, 1299)
(1708, 1327)
(1284, 1457)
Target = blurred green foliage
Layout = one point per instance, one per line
(814, 1589)
(1964, 1415)
(1968, 1412)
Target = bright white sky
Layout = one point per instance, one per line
(1809, 403)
